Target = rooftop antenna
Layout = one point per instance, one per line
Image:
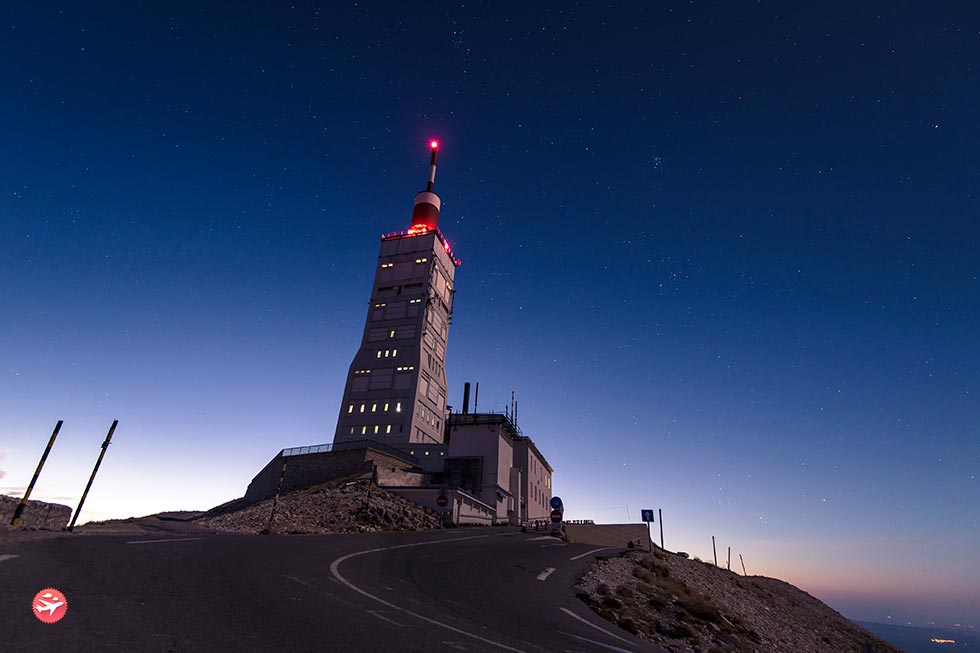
(476, 399)
(425, 215)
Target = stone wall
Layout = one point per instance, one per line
(312, 469)
(37, 514)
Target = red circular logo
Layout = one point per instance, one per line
(49, 605)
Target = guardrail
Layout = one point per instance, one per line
(352, 444)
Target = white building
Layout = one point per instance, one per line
(490, 458)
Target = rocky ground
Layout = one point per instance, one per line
(339, 507)
(688, 606)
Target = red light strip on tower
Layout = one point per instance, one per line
(421, 230)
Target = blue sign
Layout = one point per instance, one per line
(556, 503)
(647, 515)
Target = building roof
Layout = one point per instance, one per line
(501, 419)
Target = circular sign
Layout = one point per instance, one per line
(556, 516)
(556, 503)
(49, 605)
(442, 501)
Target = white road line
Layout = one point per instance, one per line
(7, 556)
(335, 570)
(592, 625)
(544, 574)
(169, 539)
(377, 613)
(592, 641)
(588, 553)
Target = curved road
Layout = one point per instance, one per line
(483, 589)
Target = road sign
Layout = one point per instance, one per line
(556, 503)
(442, 501)
(556, 516)
(647, 515)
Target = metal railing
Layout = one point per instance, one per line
(352, 444)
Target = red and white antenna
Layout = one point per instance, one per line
(425, 214)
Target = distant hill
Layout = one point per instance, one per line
(689, 606)
(915, 639)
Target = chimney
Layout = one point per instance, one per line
(466, 397)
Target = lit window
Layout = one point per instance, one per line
(398, 407)
(362, 408)
(412, 453)
(413, 301)
(350, 409)
(442, 453)
(426, 453)
(352, 430)
(379, 353)
(387, 265)
(374, 408)
(421, 260)
(388, 429)
(391, 334)
(380, 305)
(394, 352)
(386, 406)
(363, 430)
(376, 429)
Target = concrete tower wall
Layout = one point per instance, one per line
(396, 385)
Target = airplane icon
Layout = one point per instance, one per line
(48, 606)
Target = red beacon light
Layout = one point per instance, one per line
(434, 144)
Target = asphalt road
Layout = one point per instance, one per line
(484, 589)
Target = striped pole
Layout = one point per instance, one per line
(275, 500)
(37, 472)
(432, 165)
(105, 445)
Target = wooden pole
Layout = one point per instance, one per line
(729, 558)
(105, 445)
(714, 549)
(37, 472)
(743, 564)
(275, 499)
(660, 514)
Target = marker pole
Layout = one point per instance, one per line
(37, 472)
(105, 445)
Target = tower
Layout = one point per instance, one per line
(396, 386)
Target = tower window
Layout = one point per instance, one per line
(398, 407)
(386, 406)
(387, 265)
(375, 429)
(391, 334)
(350, 409)
(362, 408)
(374, 408)
(421, 260)
(363, 430)
(388, 429)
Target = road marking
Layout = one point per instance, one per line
(592, 625)
(588, 553)
(169, 539)
(592, 641)
(7, 556)
(335, 570)
(544, 574)
(545, 537)
(377, 613)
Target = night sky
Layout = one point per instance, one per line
(726, 254)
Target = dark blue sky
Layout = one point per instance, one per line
(725, 253)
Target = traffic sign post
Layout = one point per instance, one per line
(647, 516)
(442, 501)
(556, 516)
